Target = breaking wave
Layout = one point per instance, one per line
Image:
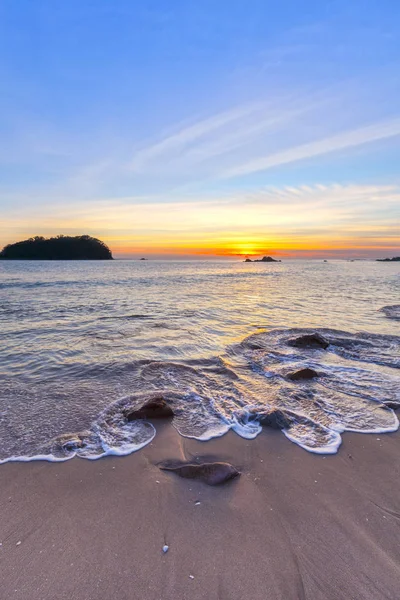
(313, 384)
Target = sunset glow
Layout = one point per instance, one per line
(270, 153)
(311, 221)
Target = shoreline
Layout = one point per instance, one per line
(294, 525)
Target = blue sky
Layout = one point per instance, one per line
(240, 117)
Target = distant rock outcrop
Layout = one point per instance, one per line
(265, 259)
(394, 259)
(62, 247)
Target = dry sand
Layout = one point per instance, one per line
(293, 526)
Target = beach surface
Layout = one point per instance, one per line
(294, 525)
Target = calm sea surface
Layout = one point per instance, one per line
(81, 341)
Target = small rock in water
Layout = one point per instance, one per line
(309, 340)
(302, 374)
(165, 548)
(392, 404)
(74, 444)
(210, 473)
(276, 418)
(155, 408)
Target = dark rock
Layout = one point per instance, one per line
(276, 418)
(156, 408)
(70, 442)
(269, 259)
(72, 445)
(302, 374)
(265, 259)
(392, 404)
(309, 340)
(210, 473)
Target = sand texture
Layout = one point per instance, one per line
(293, 526)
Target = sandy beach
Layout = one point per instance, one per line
(294, 525)
(199, 300)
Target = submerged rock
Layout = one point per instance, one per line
(210, 473)
(276, 418)
(66, 444)
(393, 404)
(309, 340)
(73, 444)
(156, 408)
(302, 374)
(70, 442)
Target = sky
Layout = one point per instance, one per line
(217, 128)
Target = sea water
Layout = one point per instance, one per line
(81, 342)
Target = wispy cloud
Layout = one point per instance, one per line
(260, 136)
(189, 134)
(341, 141)
(256, 136)
(223, 135)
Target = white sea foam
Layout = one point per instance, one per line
(306, 441)
(46, 457)
(357, 373)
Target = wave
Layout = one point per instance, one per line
(351, 383)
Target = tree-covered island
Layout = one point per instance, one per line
(61, 247)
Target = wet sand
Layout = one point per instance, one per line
(294, 526)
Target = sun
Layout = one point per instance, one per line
(246, 249)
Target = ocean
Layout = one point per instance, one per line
(83, 342)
